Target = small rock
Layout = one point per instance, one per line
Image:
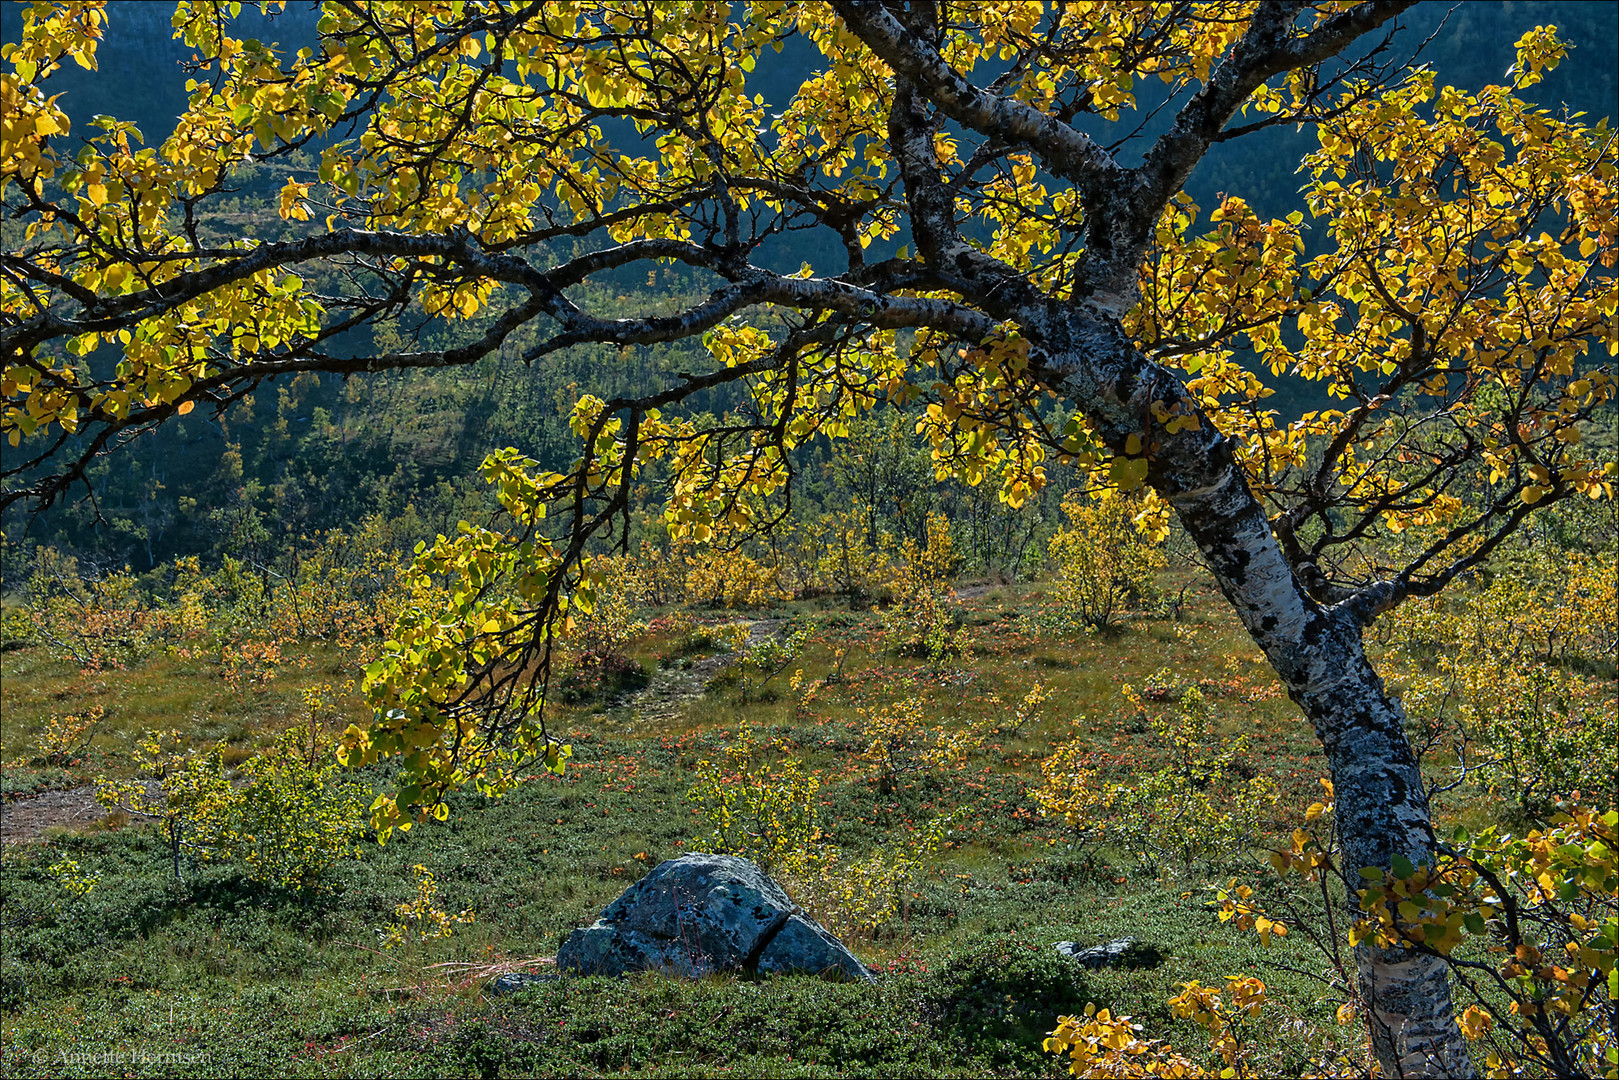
(513, 981)
(1119, 953)
(701, 914)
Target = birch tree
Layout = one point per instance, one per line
(480, 165)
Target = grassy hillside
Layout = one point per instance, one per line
(215, 975)
(288, 984)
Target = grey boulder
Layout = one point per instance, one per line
(703, 914)
(513, 981)
(1119, 953)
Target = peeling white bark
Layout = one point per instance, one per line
(1382, 808)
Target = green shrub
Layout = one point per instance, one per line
(296, 816)
(293, 818)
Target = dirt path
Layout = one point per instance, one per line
(974, 592)
(671, 688)
(28, 818)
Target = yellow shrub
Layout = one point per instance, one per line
(922, 618)
(762, 806)
(730, 579)
(1105, 557)
(1100, 1044)
(422, 920)
(901, 740)
(846, 560)
(1192, 810)
(65, 739)
(1510, 665)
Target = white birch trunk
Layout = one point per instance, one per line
(1317, 650)
(1382, 807)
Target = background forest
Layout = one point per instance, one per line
(307, 455)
